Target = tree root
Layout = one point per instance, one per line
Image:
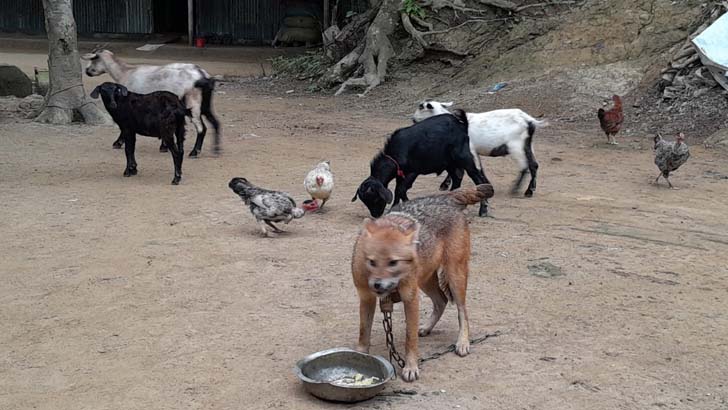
(419, 36)
(377, 49)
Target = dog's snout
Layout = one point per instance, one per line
(383, 286)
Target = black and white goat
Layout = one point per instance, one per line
(432, 146)
(495, 134)
(186, 81)
(159, 114)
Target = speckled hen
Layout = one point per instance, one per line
(265, 205)
(669, 155)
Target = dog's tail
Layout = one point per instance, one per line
(470, 196)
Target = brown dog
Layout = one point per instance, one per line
(424, 243)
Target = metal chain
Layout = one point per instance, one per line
(386, 305)
(394, 356)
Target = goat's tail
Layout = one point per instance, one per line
(470, 196)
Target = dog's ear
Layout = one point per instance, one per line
(369, 226)
(411, 231)
(95, 92)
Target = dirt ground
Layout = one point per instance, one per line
(130, 293)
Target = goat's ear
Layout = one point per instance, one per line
(386, 194)
(95, 92)
(123, 90)
(447, 104)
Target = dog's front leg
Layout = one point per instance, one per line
(411, 371)
(367, 307)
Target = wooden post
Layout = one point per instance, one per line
(190, 22)
(326, 14)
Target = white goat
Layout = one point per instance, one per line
(187, 81)
(495, 134)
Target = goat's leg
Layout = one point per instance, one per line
(201, 131)
(458, 174)
(456, 182)
(409, 180)
(518, 152)
(129, 146)
(193, 100)
(532, 168)
(217, 142)
(478, 177)
(176, 158)
(398, 189)
(119, 142)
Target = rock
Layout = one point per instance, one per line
(718, 139)
(545, 270)
(14, 82)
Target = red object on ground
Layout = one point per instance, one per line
(200, 42)
(310, 205)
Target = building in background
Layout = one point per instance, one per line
(218, 21)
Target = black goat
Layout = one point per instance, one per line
(159, 114)
(437, 144)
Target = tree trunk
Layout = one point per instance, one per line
(377, 51)
(65, 90)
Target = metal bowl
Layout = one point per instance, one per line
(319, 369)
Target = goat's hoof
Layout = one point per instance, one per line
(130, 172)
(444, 187)
(528, 194)
(175, 181)
(194, 153)
(117, 145)
(163, 149)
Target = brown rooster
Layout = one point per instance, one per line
(611, 120)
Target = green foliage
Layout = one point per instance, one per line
(412, 8)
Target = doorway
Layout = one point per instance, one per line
(170, 16)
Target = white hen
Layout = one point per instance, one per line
(320, 182)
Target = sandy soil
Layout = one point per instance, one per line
(130, 293)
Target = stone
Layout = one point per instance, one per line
(14, 82)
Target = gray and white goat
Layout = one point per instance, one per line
(495, 133)
(189, 82)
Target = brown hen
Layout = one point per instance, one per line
(611, 120)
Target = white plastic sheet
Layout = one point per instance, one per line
(712, 46)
